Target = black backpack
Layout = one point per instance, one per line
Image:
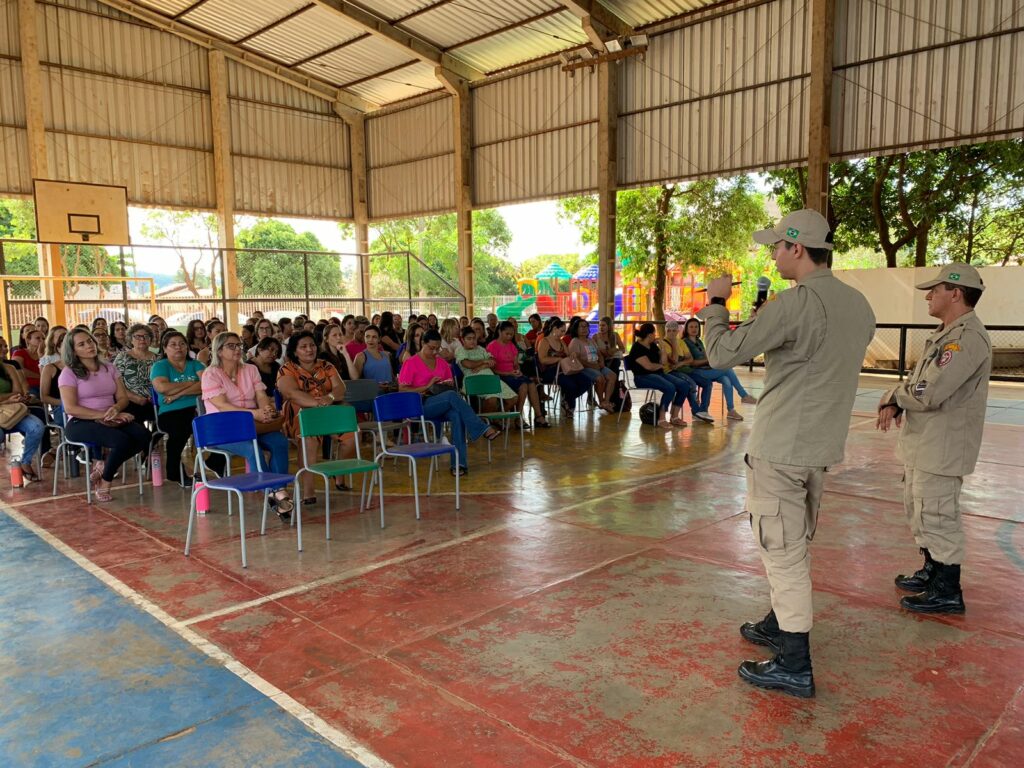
(649, 414)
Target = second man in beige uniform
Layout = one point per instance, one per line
(813, 337)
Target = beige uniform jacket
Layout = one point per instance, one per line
(944, 399)
(813, 337)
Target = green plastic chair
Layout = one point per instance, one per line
(335, 420)
(490, 386)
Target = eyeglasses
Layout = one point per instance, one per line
(140, 337)
(231, 345)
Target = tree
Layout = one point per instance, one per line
(266, 273)
(193, 237)
(896, 204)
(17, 221)
(702, 224)
(434, 240)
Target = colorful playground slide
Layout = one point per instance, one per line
(516, 309)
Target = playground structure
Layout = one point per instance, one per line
(547, 295)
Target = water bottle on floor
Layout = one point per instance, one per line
(156, 469)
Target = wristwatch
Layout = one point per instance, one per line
(718, 300)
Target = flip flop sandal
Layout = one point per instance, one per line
(102, 495)
(309, 502)
(495, 433)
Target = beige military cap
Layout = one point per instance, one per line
(806, 227)
(955, 274)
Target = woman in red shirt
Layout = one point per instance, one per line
(506, 365)
(28, 355)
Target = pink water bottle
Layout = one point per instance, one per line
(202, 498)
(156, 468)
(17, 479)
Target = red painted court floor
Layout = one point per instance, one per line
(582, 609)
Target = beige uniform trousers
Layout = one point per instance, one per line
(783, 503)
(932, 504)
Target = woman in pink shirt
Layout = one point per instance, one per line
(422, 373)
(506, 359)
(94, 398)
(230, 385)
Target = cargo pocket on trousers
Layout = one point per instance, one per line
(766, 523)
(936, 513)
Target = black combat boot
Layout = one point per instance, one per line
(922, 578)
(790, 670)
(942, 595)
(764, 632)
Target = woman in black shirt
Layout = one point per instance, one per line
(644, 360)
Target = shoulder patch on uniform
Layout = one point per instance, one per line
(951, 347)
(920, 387)
(945, 357)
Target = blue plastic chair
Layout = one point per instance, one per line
(215, 429)
(408, 407)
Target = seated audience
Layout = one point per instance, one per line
(644, 360)
(551, 352)
(474, 360)
(702, 370)
(609, 343)
(176, 379)
(95, 401)
(430, 376)
(306, 381)
(30, 349)
(583, 349)
(197, 338)
(506, 365)
(12, 391)
(374, 362)
(133, 364)
(231, 385)
(677, 362)
(268, 352)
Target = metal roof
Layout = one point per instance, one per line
(314, 38)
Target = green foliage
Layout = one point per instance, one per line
(703, 224)
(282, 274)
(434, 240)
(17, 221)
(918, 208)
(193, 237)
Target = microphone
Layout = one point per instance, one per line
(705, 290)
(764, 284)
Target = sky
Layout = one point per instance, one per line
(535, 230)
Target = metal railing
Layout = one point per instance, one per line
(895, 348)
(276, 281)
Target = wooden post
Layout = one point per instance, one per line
(224, 182)
(31, 76)
(607, 182)
(356, 122)
(819, 129)
(462, 124)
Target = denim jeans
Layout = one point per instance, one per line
(691, 390)
(736, 382)
(32, 429)
(448, 406)
(708, 376)
(673, 391)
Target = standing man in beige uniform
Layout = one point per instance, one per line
(813, 337)
(943, 402)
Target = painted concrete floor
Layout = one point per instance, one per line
(580, 610)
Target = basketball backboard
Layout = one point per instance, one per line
(72, 212)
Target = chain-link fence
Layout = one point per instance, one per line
(188, 283)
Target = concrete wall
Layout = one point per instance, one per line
(894, 300)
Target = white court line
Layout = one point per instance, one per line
(335, 736)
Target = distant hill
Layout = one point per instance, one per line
(162, 281)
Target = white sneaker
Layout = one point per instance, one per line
(444, 440)
(704, 416)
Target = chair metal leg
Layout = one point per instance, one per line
(266, 505)
(416, 487)
(327, 504)
(522, 441)
(430, 472)
(241, 526)
(456, 488)
(380, 490)
(191, 518)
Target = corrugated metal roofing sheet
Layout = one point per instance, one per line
(525, 43)
(10, 42)
(12, 94)
(15, 177)
(277, 133)
(639, 12)
(448, 25)
(410, 134)
(245, 83)
(358, 60)
(267, 187)
(234, 20)
(128, 49)
(420, 187)
(168, 7)
(304, 35)
(413, 80)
